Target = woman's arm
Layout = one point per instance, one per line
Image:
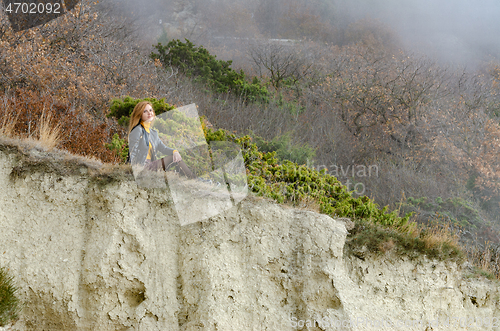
(160, 146)
(133, 143)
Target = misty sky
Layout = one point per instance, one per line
(457, 30)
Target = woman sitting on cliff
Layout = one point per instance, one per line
(144, 143)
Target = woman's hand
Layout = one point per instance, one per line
(176, 157)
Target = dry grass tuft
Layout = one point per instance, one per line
(387, 246)
(437, 235)
(8, 125)
(485, 259)
(309, 203)
(112, 170)
(49, 134)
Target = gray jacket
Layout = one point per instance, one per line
(138, 142)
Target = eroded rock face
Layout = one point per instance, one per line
(97, 253)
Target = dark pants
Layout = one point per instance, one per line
(166, 163)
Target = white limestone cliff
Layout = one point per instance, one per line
(90, 250)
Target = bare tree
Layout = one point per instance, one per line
(284, 64)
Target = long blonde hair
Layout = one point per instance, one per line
(135, 117)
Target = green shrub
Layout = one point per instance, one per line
(284, 149)
(198, 63)
(120, 146)
(9, 303)
(290, 182)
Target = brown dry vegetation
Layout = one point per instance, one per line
(69, 70)
(49, 134)
(486, 259)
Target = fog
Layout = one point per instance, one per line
(457, 31)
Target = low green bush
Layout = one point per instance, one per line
(284, 149)
(119, 146)
(218, 75)
(9, 302)
(284, 182)
(290, 182)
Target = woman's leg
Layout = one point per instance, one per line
(154, 166)
(180, 166)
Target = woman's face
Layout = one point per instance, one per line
(148, 115)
